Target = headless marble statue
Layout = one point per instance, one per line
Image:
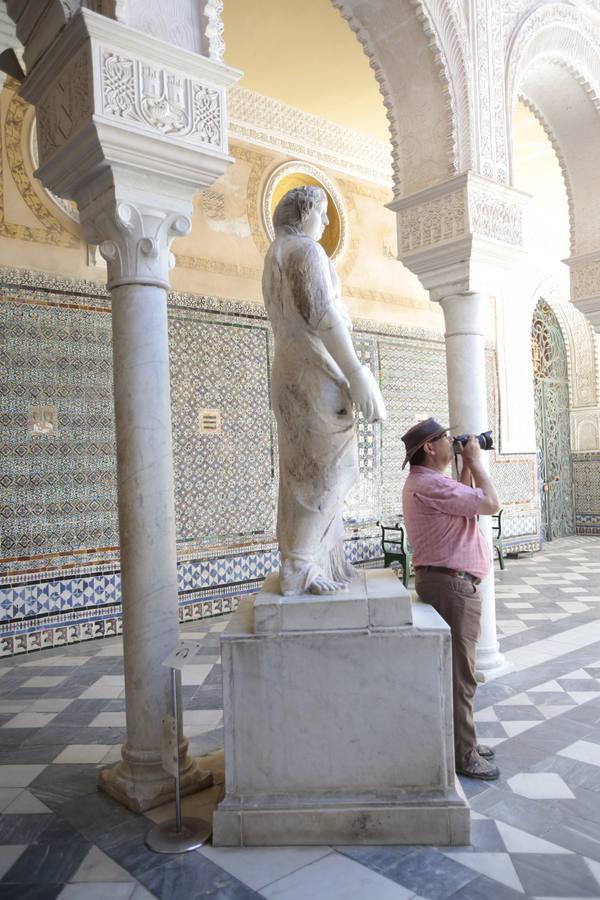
(316, 379)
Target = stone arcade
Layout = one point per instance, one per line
(141, 164)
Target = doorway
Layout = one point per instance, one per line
(553, 434)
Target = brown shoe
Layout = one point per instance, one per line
(475, 766)
(485, 751)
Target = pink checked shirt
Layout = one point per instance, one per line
(440, 515)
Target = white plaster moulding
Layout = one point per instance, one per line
(456, 183)
(87, 25)
(147, 157)
(590, 307)
(467, 265)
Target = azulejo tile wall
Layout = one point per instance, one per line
(586, 485)
(59, 575)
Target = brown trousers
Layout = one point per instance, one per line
(459, 604)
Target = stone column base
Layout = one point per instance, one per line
(152, 786)
(441, 818)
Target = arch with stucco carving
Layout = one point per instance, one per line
(553, 64)
(429, 117)
(580, 343)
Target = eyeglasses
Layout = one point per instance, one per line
(440, 436)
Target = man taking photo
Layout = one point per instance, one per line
(450, 559)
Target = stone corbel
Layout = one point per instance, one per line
(462, 234)
(585, 285)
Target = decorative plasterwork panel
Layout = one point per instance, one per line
(446, 25)
(585, 278)
(66, 108)
(140, 92)
(433, 222)
(50, 230)
(270, 123)
(463, 206)
(582, 357)
(493, 161)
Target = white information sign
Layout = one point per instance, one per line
(184, 653)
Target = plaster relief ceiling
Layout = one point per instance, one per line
(304, 54)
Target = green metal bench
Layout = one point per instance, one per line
(497, 537)
(396, 548)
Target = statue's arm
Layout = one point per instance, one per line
(364, 390)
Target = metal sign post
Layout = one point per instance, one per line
(182, 834)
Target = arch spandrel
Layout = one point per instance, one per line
(401, 40)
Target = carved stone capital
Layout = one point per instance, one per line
(585, 285)
(456, 236)
(134, 237)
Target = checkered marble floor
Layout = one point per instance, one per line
(535, 832)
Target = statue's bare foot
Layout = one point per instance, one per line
(320, 584)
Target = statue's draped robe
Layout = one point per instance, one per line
(318, 458)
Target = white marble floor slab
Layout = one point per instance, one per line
(518, 841)
(98, 867)
(44, 681)
(9, 854)
(260, 866)
(497, 866)
(109, 720)
(29, 720)
(540, 786)
(195, 674)
(583, 751)
(82, 753)
(26, 804)
(107, 687)
(551, 648)
(335, 877)
(15, 776)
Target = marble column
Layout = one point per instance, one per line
(464, 317)
(137, 255)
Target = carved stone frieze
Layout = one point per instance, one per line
(271, 123)
(585, 278)
(432, 222)
(142, 92)
(493, 217)
(464, 206)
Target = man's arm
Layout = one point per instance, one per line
(472, 461)
(465, 474)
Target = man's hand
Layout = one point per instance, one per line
(471, 452)
(473, 465)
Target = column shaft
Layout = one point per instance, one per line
(464, 316)
(147, 538)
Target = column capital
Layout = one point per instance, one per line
(585, 285)
(461, 235)
(134, 236)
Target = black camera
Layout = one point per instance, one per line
(485, 440)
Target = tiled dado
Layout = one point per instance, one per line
(586, 484)
(86, 604)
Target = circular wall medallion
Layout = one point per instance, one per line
(298, 174)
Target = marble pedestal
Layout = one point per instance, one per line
(338, 721)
